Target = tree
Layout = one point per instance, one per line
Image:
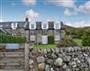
(86, 38)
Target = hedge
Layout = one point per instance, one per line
(51, 39)
(5, 38)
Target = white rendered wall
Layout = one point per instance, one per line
(57, 37)
(32, 38)
(44, 39)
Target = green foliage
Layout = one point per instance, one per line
(78, 41)
(86, 38)
(5, 38)
(67, 42)
(80, 33)
(51, 39)
(77, 32)
(45, 46)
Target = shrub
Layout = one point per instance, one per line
(51, 39)
(67, 42)
(86, 39)
(4, 38)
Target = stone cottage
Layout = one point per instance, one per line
(35, 32)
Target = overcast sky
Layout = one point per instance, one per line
(72, 12)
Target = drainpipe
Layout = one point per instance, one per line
(29, 36)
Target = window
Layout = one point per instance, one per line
(13, 25)
(45, 26)
(57, 25)
(56, 32)
(57, 35)
(32, 26)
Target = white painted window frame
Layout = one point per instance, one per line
(30, 26)
(57, 25)
(14, 25)
(45, 24)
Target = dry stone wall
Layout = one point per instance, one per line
(60, 59)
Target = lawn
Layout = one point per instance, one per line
(44, 46)
(78, 41)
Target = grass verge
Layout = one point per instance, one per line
(45, 46)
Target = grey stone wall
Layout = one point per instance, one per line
(60, 59)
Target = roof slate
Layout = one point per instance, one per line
(25, 25)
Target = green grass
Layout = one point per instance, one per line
(78, 41)
(45, 46)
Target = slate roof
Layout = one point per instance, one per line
(25, 25)
(38, 25)
(5, 25)
(51, 25)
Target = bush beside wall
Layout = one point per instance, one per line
(67, 42)
(51, 39)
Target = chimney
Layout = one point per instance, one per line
(26, 19)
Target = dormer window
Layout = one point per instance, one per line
(32, 25)
(57, 25)
(13, 26)
(45, 26)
